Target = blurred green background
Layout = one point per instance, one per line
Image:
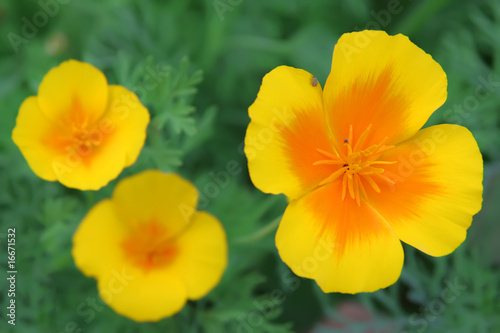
(208, 58)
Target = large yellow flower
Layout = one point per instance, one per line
(149, 249)
(78, 129)
(359, 173)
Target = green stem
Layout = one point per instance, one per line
(90, 197)
(261, 233)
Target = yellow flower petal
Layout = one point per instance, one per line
(97, 241)
(129, 117)
(343, 232)
(153, 195)
(438, 187)
(30, 134)
(345, 247)
(98, 251)
(202, 257)
(73, 91)
(382, 80)
(286, 129)
(149, 249)
(114, 142)
(142, 297)
(85, 146)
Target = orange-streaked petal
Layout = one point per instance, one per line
(155, 196)
(438, 188)
(98, 252)
(386, 81)
(148, 246)
(73, 92)
(286, 129)
(30, 134)
(202, 255)
(344, 247)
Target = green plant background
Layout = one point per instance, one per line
(210, 57)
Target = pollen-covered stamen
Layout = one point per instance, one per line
(77, 133)
(79, 136)
(79, 128)
(358, 167)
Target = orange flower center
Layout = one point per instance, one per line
(76, 134)
(357, 167)
(150, 247)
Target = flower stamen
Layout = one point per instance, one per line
(357, 165)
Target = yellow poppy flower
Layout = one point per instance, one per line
(148, 247)
(78, 129)
(359, 173)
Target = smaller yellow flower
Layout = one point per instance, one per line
(78, 129)
(148, 247)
